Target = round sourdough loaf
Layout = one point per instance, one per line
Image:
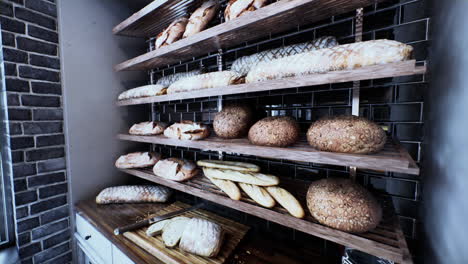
(344, 205)
(233, 121)
(347, 134)
(277, 131)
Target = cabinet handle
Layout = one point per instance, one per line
(87, 237)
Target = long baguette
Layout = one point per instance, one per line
(287, 200)
(258, 194)
(229, 165)
(205, 81)
(237, 176)
(229, 187)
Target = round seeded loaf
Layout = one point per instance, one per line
(346, 134)
(344, 205)
(233, 121)
(277, 131)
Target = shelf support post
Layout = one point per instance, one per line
(219, 62)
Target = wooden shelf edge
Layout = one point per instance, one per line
(334, 235)
(365, 73)
(401, 164)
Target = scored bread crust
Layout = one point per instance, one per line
(167, 80)
(202, 237)
(172, 33)
(133, 194)
(233, 121)
(137, 160)
(258, 194)
(344, 205)
(346, 134)
(148, 128)
(229, 187)
(187, 130)
(201, 17)
(175, 169)
(143, 91)
(229, 165)
(275, 131)
(205, 81)
(237, 8)
(245, 177)
(287, 200)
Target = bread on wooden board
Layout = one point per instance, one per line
(233, 121)
(287, 200)
(237, 8)
(274, 131)
(175, 169)
(205, 81)
(134, 194)
(344, 205)
(187, 130)
(172, 231)
(346, 134)
(258, 194)
(343, 57)
(143, 91)
(254, 178)
(172, 33)
(202, 237)
(137, 160)
(201, 17)
(229, 165)
(148, 128)
(229, 187)
(167, 80)
(156, 228)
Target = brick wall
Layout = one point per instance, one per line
(30, 39)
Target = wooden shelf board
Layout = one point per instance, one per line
(365, 73)
(272, 19)
(385, 241)
(392, 158)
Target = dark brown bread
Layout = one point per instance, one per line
(276, 131)
(347, 134)
(233, 121)
(343, 204)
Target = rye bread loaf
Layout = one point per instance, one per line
(175, 169)
(134, 194)
(346, 134)
(137, 160)
(233, 121)
(275, 131)
(148, 128)
(344, 205)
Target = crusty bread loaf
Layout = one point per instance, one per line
(137, 160)
(258, 194)
(343, 57)
(245, 177)
(201, 17)
(187, 130)
(347, 134)
(202, 237)
(287, 200)
(205, 81)
(343, 204)
(237, 8)
(233, 121)
(172, 33)
(167, 80)
(175, 169)
(148, 128)
(156, 228)
(172, 231)
(134, 194)
(277, 131)
(143, 91)
(229, 187)
(229, 165)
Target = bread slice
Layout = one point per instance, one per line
(202, 237)
(229, 187)
(258, 194)
(157, 228)
(172, 231)
(229, 165)
(245, 177)
(287, 200)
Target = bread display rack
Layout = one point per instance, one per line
(387, 240)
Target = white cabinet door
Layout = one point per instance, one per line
(119, 257)
(91, 238)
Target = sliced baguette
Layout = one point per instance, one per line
(172, 231)
(229, 187)
(258, 194)
(287, 200)
(229, 165)
(237, 176)
(157, 228)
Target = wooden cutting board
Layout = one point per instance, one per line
(234, 232)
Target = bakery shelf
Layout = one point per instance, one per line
(365, 73)
(272, 19)
(393, 157)
(385, 241)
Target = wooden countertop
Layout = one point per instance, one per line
(253, 250)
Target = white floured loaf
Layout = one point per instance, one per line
(137, 160)
(143, 91)
(172, 33)
(205, 81)
(201, 17)
(172, 231)
(175, 169)
(187, 130)
(202, 237)
(134, 194)
(148, 128)
(237, 8)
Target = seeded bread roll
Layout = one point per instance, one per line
(233, 121)
(346, 134)
(344, 205)
(275, 131)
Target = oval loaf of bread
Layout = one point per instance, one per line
(175, 169)
(172, 33)
(137, 160)
(202, 237)
(233, 121)
(201, 17)
(205, 81)
(275, 131)
(143, 91)
(134, 194)
(187, 130)
(148, 128)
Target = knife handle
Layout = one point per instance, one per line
(136, 225)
